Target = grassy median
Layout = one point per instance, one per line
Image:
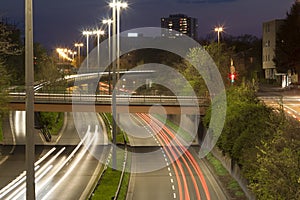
(53, 120)
(233, 188)
(109, 181)
(1, 132)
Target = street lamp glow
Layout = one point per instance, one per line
(63, 53)
(78, 44)
(107, 21)
(218, 29)
(87, 33)
(118, 4)
(97, 32)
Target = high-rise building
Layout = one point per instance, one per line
(180, 23)
(270, 30)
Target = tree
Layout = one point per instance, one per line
(277, 174)
(4, 84)
(247, 54)
(199, 56)
(8, 47)
(287, 52)
(44, 66)
(245, 125)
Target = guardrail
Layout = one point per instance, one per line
(53, 98)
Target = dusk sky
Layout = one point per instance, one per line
(59, 23)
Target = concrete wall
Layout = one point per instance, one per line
(234, 171)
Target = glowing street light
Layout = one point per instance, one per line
(73, 53)
(87, 34)
(78, 45)
(108, 22)
(118, 6)
(63, 53)
(219, 30)
(98, 33)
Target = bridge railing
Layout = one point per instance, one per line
(19, 97)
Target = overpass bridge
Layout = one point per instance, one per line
(67, 102)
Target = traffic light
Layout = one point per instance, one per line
(232, 77)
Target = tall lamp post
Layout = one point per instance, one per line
(78, 45)
(87, 34)
(219, 30)
(30, 151)
(108, 22)
(118, 5)
(98, 33)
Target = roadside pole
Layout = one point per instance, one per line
(29, 79)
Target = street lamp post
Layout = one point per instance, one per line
(108, 22)
(114, 103)
(78, 45)
(219, 30)
(98, 33)
(29, 76)
(118, 5)
(87, 34)
(73, 53)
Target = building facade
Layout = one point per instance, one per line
(180, 23)
(270, 30)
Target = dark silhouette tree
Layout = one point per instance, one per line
(287, 52)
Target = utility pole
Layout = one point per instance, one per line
(29, 79)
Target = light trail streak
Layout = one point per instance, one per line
(75, 162)
(164, 135)
(42, 172)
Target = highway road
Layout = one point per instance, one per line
(62, 171)
(290, 104)
(179, 173)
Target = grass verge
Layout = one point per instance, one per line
(60, 122)
(121, 135)
(233, 188)
(125, 181)
(1, 132)
(109, 182)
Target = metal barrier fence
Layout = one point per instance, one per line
(18, 97)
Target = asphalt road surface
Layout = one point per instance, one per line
(166, 171)
(62, 171)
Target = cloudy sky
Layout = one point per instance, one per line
(60, 22)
